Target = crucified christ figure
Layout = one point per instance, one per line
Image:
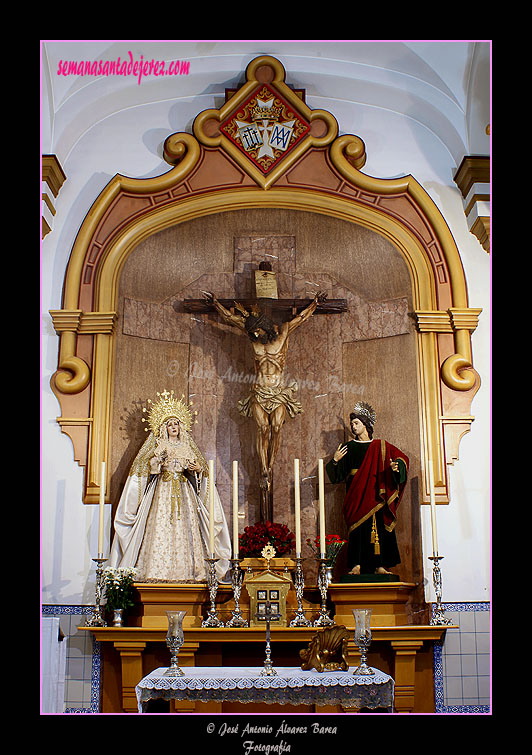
(270, 399)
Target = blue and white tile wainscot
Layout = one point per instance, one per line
(83, 659)
(462, 662)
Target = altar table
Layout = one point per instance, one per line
(290, 686)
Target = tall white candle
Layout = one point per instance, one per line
(235, 509)
(211, 508)
(321, 498)
(102, 510)
(297, 507)
(433, 510)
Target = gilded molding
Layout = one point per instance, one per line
(85, 323)
(97, 322)
(456, 370)
(481, 229)
(473, 169)
(187, 153)
(473, 179)
(450, 321)
(74, 374)
(52, 173)
(66, 320)
(465, 318)
(433, 321)
(48, 202)
(189, 208)
(456, 426)
(54, 177)
(73, 421)
(407, 185)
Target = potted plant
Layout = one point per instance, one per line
(118, 586)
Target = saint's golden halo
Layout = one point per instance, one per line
(166, 407)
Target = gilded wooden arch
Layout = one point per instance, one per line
(322, 174)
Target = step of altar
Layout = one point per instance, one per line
(388, 599)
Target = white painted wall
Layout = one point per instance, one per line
(418, 106)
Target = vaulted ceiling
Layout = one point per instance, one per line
(439, 86)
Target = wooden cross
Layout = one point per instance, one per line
(290, 306)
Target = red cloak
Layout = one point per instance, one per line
(374, 487)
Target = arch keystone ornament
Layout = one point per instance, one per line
(265, 126)
(264, 148)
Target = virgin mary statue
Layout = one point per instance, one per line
(162, 520)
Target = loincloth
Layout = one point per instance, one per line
(270, 399)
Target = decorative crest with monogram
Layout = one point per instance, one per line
(264, 125)
(265, 128)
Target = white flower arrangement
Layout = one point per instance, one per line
(118, 585)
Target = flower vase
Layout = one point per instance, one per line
(118, 617)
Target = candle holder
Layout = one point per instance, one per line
(362, 639)
(175, 637)
(323, 620)
(299, 619)
(438, 618)
(212, 582)
(236, 620)
(268, 615)
(97, 620)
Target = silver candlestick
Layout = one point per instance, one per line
(438, 618)
(237, 620)
(323, 620)
(97, 620)
(212, 581)
(299, 619)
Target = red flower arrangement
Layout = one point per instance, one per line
(333, 546)
(255, 538)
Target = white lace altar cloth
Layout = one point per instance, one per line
(290, 686)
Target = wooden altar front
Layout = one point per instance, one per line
(399, 648)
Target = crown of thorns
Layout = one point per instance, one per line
(255, 318)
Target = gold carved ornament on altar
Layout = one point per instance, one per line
(327, 651)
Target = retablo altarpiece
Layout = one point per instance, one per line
(266, 177)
